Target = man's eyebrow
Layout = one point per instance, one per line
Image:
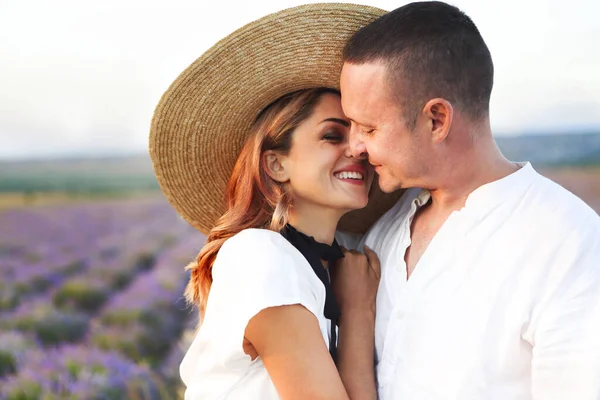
(337, 120)
(352, 121)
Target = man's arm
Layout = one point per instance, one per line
(566, 340)
(355, 355)
(355, 284)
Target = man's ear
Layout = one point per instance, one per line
(440, 113)
(274, 166)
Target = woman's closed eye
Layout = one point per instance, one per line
(333, 137)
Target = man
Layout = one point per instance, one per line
(490, 285)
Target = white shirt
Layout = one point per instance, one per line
(504, 303)
(253, 270)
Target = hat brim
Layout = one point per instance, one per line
(203, 119)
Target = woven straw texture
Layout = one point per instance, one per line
(202, 120)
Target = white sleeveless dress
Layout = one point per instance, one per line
(254, 270)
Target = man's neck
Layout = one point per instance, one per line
(480, 166)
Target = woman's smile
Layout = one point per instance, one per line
(354, 174)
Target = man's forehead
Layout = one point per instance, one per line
(363, 85)
(363, 73)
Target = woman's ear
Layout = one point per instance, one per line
(274, 166)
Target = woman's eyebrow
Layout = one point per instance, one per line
(337, 120)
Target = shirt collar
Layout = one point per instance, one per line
(422, 198)
(488, 196)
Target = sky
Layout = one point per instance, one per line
(83, 77)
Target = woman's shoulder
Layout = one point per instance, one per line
(255, 235)
(262, 247)
(253, 240)
(262, 258)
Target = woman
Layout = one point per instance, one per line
(262, 281)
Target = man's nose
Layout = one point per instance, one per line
(356, 146)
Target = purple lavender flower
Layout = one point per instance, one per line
(108, 276)
(79, 372)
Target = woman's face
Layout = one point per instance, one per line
(320, 166)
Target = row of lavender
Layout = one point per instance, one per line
(91, 300)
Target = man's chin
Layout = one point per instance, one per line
(388, 186)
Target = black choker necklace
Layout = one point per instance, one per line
(314, 252)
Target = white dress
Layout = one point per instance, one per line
(254, 270)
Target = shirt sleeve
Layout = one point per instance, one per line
(566, 341)
(255, 270)
(350, 241)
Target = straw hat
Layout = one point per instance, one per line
(202, 120)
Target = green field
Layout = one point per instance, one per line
(79, 176)
(26, 183)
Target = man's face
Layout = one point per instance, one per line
(378, 128)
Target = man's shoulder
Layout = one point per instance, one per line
(551, 203)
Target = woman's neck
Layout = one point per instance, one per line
(320, 223)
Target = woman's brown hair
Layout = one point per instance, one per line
(254, 200)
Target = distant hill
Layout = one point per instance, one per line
(83, 175)
(135, 173)
(574, 149)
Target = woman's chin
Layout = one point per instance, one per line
(356, 204)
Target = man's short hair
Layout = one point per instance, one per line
(431, 49)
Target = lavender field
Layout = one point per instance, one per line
(91, 300)
(91, 303)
